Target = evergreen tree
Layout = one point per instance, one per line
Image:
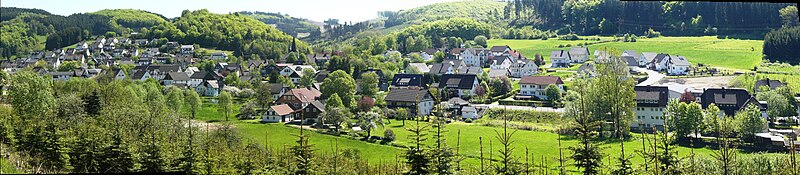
(416, 155)
(304, 155)
(508, 164)
(586, 154)
(443, 156)
(117, 157)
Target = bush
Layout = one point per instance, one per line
(560, 45)
(568, 45)
(525, 115)
(388, 135)
(469, 120)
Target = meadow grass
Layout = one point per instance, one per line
(7, 168)
(709, 50)
(538, 143)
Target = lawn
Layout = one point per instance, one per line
(538, 143)
(724, 53)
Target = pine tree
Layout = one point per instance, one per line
(117, 158)
(508, 162)
(304, 154)
(152, 158)
(586, 154)
(443, 155)
(416, 156)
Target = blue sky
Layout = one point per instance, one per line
(318, 10)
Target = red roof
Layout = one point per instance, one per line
(541, 80)
(305, 95)
(283, 109)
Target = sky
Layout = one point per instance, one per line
(317, 10)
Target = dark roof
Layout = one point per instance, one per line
(646, 94)
(631, 61)
(459, 81)
(407, 95)
(728, 100)
(771, 84)
(578, 51)
(559, 54)
(317, 104)
(660, 57)
(321, 75)
(275, 88)
(177, 76)
(441, 68)
(408, 80)
(499, 73)
(500, 59)
(206, 75)
(470, 70)
(499, 48)
(541, 80)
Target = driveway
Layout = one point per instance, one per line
(541, 109)
(652, 76)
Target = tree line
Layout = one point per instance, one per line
(671, 18)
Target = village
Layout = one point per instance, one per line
(454, 81)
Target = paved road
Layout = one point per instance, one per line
(652, 77)
(543, 109)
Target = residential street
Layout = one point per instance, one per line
(652, 77)
(543, 109)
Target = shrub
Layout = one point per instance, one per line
(388, 135)
(568, 45)
(469, 120)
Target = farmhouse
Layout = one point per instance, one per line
(299, 98)
(418, 101)
(678, 66)
(729, 100)
(277, 113)
(534, 86)
(651, 104)
(560, 58)
(458, 85)
(579, 54)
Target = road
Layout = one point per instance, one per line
(652, 77)
(498, 106)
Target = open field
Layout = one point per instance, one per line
(538, 143)
(724, 53)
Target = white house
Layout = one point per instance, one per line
(646, 58)
(469, 112)
(474, 57)
(418, 101)
(651, 104)
(522, 68)
(295, 72)
(534, 86)
(501, 62)
(678, 66)
(277, 113)
(461, 85)
(119, 74)
(209, 88)
(500, 50)
(187, 49)
(560, 58)
(660, 62)
(579, 54)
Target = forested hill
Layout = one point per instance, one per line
(133, 19)
(236, 32)
(286, 23)
(480, 10)
(12, 12)
(588, 17)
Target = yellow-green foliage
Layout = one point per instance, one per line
(131, 18)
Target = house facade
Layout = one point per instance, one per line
(579, 54)
(560, 58)
(534, 86)
(460, 85)
(651, 104)
(418, 101)
(278, 113)
(522, 68)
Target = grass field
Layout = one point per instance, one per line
(538, 143)
(725, 53)
(7, 168)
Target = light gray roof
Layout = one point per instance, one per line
(680, 61)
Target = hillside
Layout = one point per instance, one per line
(12, 12)
(131, 18)
(286, 23)
(479, 10)
(235, 32)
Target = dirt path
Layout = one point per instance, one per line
(211, 126)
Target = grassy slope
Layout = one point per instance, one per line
(726, 53)
(538, 143)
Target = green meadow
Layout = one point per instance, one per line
(538, 143)
(724, 53)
